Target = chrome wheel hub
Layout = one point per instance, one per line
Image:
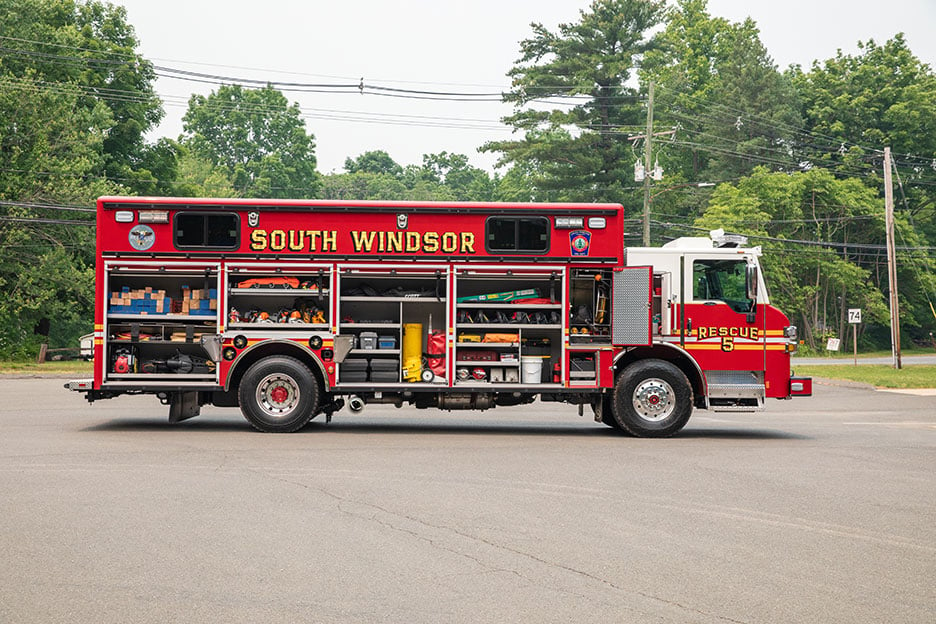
(654, 400)
(277, 395)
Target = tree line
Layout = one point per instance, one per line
(791, 157)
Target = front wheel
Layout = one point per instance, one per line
(278, 395)
(652, 399)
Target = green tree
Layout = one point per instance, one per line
(89, 49)
(718, 87)
(197, 177)
(579, 149)
(465, 181)
(882, 96)
(50, 153)
(376, 161)
(364, 185)
(857, 104)
(816, 283)
(257, 137)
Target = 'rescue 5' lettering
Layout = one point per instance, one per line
(733, 332)
(363, 241)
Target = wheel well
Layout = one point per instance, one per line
(670, 354)
(274, 347)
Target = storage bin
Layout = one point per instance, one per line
(352, 376)
(386, 342)
(380, 364)
(354, 364)
(368, 340)
(581, 364)
(385, 376)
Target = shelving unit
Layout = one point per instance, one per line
(590, 311)
(384, 302)
(537, 326)
(302, 291)
(156, 340)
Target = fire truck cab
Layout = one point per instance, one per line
(291, 309)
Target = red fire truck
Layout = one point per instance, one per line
(291, 309)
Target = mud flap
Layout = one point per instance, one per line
(183, 405)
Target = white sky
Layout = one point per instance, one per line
(438, 45)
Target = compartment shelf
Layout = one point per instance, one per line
(497, 363)
(365, 325)
(378, 299)
(318, 326)
(119, 316)
(163, 376)
(300, 292)
(510, 306)
(507, 326)
(375, 351)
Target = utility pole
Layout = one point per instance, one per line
(891, 258)
(647, 165)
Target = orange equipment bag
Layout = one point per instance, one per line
(492, 337)
(270, 282)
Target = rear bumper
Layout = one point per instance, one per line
(800, 386)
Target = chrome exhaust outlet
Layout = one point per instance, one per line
(356, 404)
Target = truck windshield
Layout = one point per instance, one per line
(721, 280)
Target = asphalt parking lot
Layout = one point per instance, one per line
(816, 510)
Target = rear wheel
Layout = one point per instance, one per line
(652, 399)
(278, 395)
(604, 410)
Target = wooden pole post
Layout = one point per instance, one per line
(891, 258)
(647, 165)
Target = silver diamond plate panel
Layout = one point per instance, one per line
(730, 377)
(630, 320)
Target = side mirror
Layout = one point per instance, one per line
(752, 283)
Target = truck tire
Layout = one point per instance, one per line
(652, 399)
(605, 405)
(278, 395)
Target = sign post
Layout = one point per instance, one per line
(854, 318)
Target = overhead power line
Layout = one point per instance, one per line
(793, 241)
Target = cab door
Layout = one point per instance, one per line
(724, 323)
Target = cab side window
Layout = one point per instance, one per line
(721, 280)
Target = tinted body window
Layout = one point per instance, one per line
(517, 234)
(207, 231)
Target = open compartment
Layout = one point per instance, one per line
(508, 326)
(397, 317)
(278, 296)
(161, 322)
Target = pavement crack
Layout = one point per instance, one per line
(374, 517)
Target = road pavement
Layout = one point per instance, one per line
(819, 510)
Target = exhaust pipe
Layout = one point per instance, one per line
(356, 404)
